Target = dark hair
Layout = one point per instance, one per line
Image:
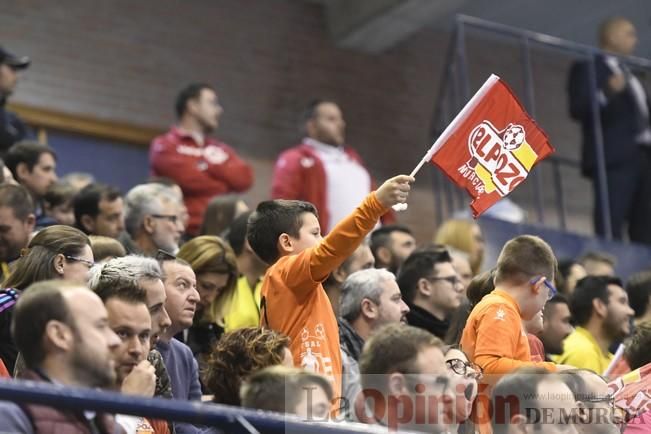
(587, 289)
(41, 303)
(124, 289)
(417, 266)
(87, 201)
(638, 288)
(309, 112)
(393, 348)
(59, 193)
(636, 351)
(271, 219)
(191, 91)
(18, 199)
(523, 258)
(28, 153)
(562, 273)
(219, 214)
(457, 324)
(237, 232)
(480, 285)
(38, 263)
(381, 237)
(557, 299)
(237, 355)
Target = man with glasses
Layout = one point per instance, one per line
(431, 288)
(12, 129)
(200, 164)
(405, 381)
(152, 219)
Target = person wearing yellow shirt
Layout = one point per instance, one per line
(602, 314)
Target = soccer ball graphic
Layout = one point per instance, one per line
(513, 137)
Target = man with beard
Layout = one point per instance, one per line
(152, 220)
(361, 259)
(322, 170)
(432, 289)
(201, 165)
(391, 245)
(600, 309)
(62, 331)
(556, 324)
(17, 222)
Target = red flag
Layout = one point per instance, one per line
(491, 146)
(632, 391)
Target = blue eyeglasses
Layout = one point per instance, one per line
(552, 290)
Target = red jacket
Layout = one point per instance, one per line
(201, 172)
(299, 174)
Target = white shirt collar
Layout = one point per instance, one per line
(323, 147)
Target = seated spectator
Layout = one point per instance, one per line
(432, 290)
(398, 360)
(78, 180)
(176, 189)
(556, 325)
(457, 323)
(595, 403)
(533, 327)
(361, 259)
(465, 375)
(464, 235)
(151, 219)
(220, 213)
(598, 263)
(391, 245)
(602, 315)
(215, 267)
(56, 252)
(239, 354)
(288, 390)
(17, 221)
(34, 167)
(57, 205)
(105, 248)
(638, 288)
(569, 272)
(461, 263)
(532, 400)
(61, 331)
(244, 310)
(480, 286)
(99, 210)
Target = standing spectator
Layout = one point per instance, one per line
(624, 111)
(99, 210)
(432, 289)
(200, 164)
(391, 245)
(12, 129)
(57, 205)
(220, 213)
(56, 252)
(602, 315)
(556, 325)
(33, 166)
(361, 259)
(464, 235)
(322, 170)
(215, 267)
(244, 309)
(638, 288)
(62, 332)
(17, 222)
(151, 219)
(598, 263)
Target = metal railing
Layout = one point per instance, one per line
(221, 417)
(455, 92)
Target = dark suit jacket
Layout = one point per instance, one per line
(620, 118)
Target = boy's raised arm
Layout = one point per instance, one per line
(344, 238)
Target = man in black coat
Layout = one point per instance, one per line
(12, 129)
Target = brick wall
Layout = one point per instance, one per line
(125, 61)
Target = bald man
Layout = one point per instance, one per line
(624, 111)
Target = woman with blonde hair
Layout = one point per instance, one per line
(215, 266)
(464, 235)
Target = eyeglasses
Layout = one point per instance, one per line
(86, 262)
(454, 280)
(171, 217)
(608, 399)
(465, 369)
(552, 290)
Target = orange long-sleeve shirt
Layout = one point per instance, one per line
(295, 302)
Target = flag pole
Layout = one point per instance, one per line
(428, 156)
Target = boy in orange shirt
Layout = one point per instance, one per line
(494, 337)
(286, 235)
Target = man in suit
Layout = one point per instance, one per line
(624, 114)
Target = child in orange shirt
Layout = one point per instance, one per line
(286, 235)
